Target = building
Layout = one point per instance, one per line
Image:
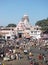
(25, 29)
(7, 32)
(35, 32)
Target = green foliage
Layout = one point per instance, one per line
(43, 23)
(11, 25)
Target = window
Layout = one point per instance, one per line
(35, 32)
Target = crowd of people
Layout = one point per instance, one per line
(27, 44)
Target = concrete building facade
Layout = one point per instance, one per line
(7, 33)
(23, 29)
(26, 29)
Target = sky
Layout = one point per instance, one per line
(11, 11)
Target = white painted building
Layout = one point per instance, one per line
(35, 32)
(27, 29)
(7, 32)
(23, 28)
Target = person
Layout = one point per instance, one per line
(31, 62)
(39, 48)
(40, 57)
(36, 63)
(44, 57)
(41, 63)
(19, 56)
(16, 56)
(46, 62)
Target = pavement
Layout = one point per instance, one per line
(24, 61)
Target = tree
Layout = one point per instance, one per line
(11, 25)
(43, 23)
